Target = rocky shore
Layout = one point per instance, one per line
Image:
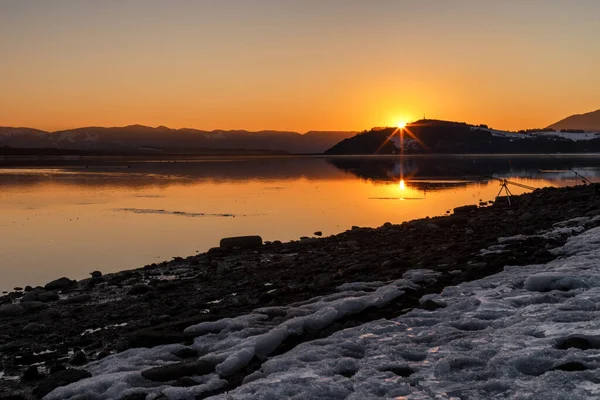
(48, 334)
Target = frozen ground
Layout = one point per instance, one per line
(528, 332)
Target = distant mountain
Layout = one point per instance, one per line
(139, 138)
(587, 122)
(447, 137)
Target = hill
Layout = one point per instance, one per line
(445, 137)
(586, 122)
(138, 138)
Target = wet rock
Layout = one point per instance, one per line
(79, 358)
(45, 297)
(171, 372)
(11, 310)
(243, 242)
(139, 289)
(34, 327)
(465, 209)
(96, 274)
(34, 305)
(31, 374)
(81, 298)
(186, 352)
(149, 338)
(59, 284)
(61, 378)
(432, 227)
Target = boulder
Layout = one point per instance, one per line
(244, 242)
(34, 327)
(96, 274)
(318, 233)
(465, 209)
(11, 310)
(59, 284)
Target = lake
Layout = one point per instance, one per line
(111, 214)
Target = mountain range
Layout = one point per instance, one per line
(137, 139)
(434, 135)
(587, 122)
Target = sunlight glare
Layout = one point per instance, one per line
(401, 124)
(402, 186)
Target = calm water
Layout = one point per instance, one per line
(111, 215)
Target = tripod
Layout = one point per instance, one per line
(504, 186)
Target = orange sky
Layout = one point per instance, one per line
(296, 64)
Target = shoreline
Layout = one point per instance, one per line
(69, 324)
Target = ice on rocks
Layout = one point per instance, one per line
(496, 338)
(232, 343)
(528, 332)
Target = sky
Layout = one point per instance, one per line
(296, 64)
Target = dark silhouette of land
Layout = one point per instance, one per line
(139, 139)
(584, 122)
(447, 137)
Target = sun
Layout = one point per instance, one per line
(401, 124)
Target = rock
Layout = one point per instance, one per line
(59, 284)
(276, 243)
(324, 280)
(465, 209)
(60, 378)
(318, 233)
(139, 289)
(31, 374)
(244, 242)
(45, 297)
(96, 274)
(171, 372)
(33, 305)
(186, 352)
(432, 227)
(81, 298)
(34, 327)
(79, 358)
(28, 288)
(451, 220)
(18, 289)
(11, 310)
(387, 225)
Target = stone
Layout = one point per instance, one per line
(80, 298)
(139, 289)
(18, 289)
(96, 274)
(186, 352)
(60, 378)
(28, 288)
(31, 374)
(34, 327)
(318, 233)
(59, 284)
(171, 372)
(45, 297)
(11, 310)
(33, 305)
(432, 227)
(244, 242)
(78, 358)
(465, 209)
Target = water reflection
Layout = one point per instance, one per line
(110, 215)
